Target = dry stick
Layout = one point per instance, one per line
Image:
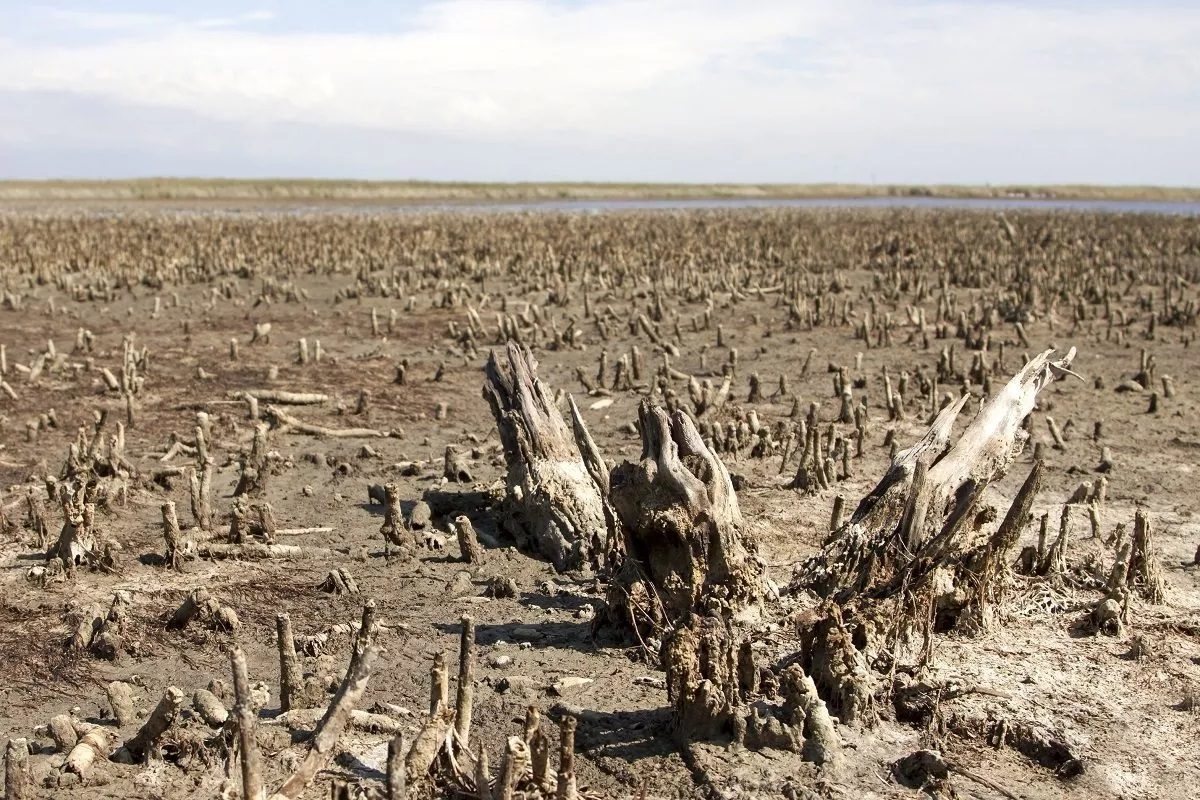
(291, 678)
(303, 531)
(258, 552)
(516, 757)
(439, 686)
(397, 748)
(172, 535)
(252, 782)
(995, 787)
(565, 789)
(290, 423)
(466, 681)
(285, 398)
(331, 728)
(359, 720)
(16, 769)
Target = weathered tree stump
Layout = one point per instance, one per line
(913, 560)
(553, 505)
(684, 549)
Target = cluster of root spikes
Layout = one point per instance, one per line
(919, 556)
(441, 760)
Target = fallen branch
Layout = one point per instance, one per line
(289, 424)
(283, 397)
(336, 719)
(257, 552)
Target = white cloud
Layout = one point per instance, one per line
(864, 82)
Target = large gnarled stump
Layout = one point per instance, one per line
(554, 506)
(681, 531)
(914, 560)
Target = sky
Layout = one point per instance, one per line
(855, 91)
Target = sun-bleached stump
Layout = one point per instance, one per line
(63, 732)
(176, 546)
(291, 677)
(553, 505)
(397, 784)
(682, 532)
(210, 708)
(913, 560)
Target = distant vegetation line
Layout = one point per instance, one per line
(182, 189)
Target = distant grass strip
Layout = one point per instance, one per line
(196, 189)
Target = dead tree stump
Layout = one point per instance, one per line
(684, 549)
(553, 505)
(914, 560)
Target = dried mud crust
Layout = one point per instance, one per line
(1123, 705)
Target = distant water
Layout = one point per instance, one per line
(1191, 208)
(302, 207)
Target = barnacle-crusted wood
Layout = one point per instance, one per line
(553, 506)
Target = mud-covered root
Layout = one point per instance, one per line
(840, 669)
(713, 685)
(339, 581)
(1145, 571)
(685, 551)
(705, 686)
(553, 505)
(822, 745)
(16, 770)
(455, 468)
(394, 531)
(200, 606)
(146, 742)
(254, 466)
(468, 540)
